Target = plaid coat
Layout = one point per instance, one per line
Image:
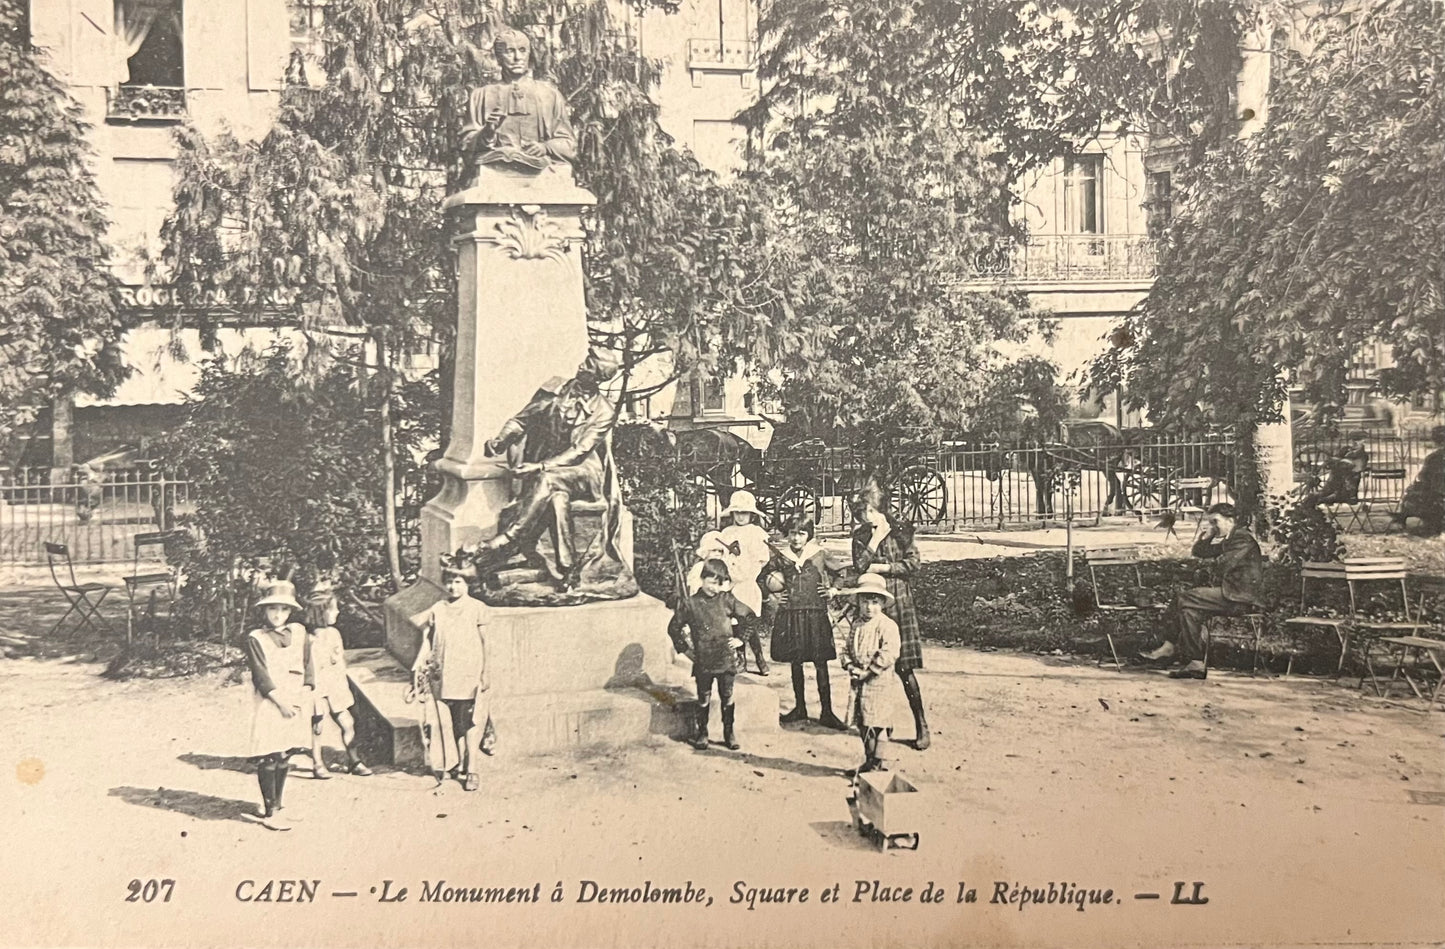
(897, 549)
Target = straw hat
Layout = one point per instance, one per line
(279, 593)
(869, 583)
(742, 502)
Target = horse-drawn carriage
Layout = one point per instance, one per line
(810, 478)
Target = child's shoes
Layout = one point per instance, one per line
(473, 782)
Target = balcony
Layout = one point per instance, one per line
(727, 56)
(1070, 258)
(142, 104)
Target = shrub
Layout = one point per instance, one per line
(287, 480)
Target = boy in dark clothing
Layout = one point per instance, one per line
(1241, 572)
(702, 627)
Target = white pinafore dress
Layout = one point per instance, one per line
(286, 665)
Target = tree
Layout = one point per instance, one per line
(59, 326)
(1295, 246)
(332, 221)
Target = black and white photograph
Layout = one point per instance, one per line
(722, 473)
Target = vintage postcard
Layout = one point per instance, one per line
(432, 515)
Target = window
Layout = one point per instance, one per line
(1084, 194)
(1159, 202)
(150, 40)
(149, 74)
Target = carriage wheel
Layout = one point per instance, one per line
(1144, 491)
(797, 501)
(920, 496)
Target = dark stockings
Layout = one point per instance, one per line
(915, 704)
(271, 776)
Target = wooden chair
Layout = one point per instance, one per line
(78, 595)
(1386, 491)
(1188, 491)
(1256, 620)
(158, 581)
(1427, 644)
(1101, 558)
(1352, 571)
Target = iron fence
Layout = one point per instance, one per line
(959, 486)
(95, 516)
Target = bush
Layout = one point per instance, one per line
(1303, 532)
(287, 480)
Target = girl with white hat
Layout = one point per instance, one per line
(748, 552)
(276, 654)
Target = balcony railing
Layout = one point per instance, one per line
(145, 104)
(721, 55)
(1071, 257)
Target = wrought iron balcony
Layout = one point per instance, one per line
(721, 55)
(145, 104)
(1071, 257)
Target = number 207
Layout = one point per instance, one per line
(147, 891)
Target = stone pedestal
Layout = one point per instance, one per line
(521, 319)
(562, 676)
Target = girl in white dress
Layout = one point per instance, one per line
(276, 654)
(326, 675)
(748, 551)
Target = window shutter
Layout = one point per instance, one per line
(268, 43)
(92, 43)
(211, 62)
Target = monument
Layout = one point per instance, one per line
(576, 655)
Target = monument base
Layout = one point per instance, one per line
(389, 728)
(598, 675)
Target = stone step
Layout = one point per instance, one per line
(389, 728)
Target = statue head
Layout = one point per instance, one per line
(513, 50)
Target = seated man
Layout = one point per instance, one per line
(1241, 572)
(1342, 483)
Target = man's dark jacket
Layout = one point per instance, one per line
(1241, 565)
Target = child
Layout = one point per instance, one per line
(452, 666)
(801, 629)
(326, 675)
(869, 653)
(748, 552)
(708, 616)
(276, 655)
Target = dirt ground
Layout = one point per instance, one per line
(1309, 813)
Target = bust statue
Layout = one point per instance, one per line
(520, 122)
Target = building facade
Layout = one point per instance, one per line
(139, 68)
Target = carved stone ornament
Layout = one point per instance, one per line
(529, 234)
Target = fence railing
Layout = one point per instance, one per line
(961, 486)
(95, 517)
(953, 487)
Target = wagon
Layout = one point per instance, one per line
(888, 809)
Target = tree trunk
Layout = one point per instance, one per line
(388, 464)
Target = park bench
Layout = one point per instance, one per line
(1353, 571)
(1114, 559)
